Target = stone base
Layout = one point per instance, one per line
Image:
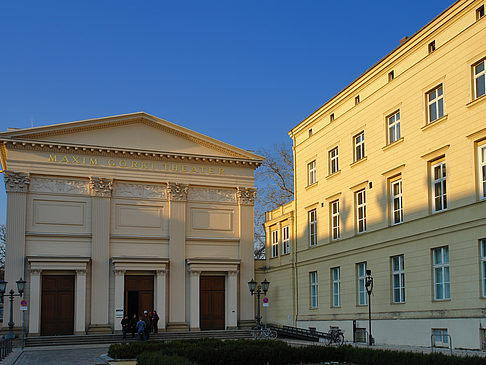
(99, 328)
(229, 328)
(80, 333)
(195, 329)
(37, 334)
(177, 327)
(246, 323)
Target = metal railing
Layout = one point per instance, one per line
(5, 347)
(433, 337)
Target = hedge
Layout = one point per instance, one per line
(261, 352)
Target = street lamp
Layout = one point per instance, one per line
(369, 289)
(20, 288)
(252, 284)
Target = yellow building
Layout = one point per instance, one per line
(390, 176)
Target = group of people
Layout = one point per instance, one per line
(147, 324)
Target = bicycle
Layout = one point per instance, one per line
(335, 335)
(259, 333)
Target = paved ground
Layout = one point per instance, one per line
(60, 355)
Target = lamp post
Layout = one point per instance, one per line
(369, 289)
(252, 284)
(20, 288)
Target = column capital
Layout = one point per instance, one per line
(232, 273)
(177, 192)
(195, 272)
(16, 182)
(119, 272)
(161, 271)
(35, 271)
(80, 272)
(100, 186)
(246, 196)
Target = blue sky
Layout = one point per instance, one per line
(242, 72)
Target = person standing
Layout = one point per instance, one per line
(146, 319)
(155, 321)
(141, 330)
(133, 325)
(125, 323)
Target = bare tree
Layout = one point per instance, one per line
(275, 182)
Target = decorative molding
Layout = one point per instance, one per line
(16, 182)
(134, 190)
(177, 192)
(246, 196)
(211, 194)
(119, 272)
(35, 271)
(59, 185)
(232, 273)
(195, 272)
(81, 272)
(100, 186)
(161, 272)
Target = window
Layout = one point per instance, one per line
(359, 147)
(333, 161)
(312, 227)
(479, 79)
(431, 47)
(482, 171)
(314, 289)
(356, 100)
(440, 336)
(362, 294)
(394, 133)
(482, 244)
(441, 273)
(334, 206)
(396, 208)
(311, 173)
(274, 243)
(331, 117)
(435, 103)
(480, 12)
(310, 132)
(439, 187)
(361, 211)
(336, 287)
(391, 75)
(398, 279)
(285, 240)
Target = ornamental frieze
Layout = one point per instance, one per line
(246, 196)
(100, 186)
(16, 182)
(212, 194)
(145, 191)
(59, 185)
(177, 192)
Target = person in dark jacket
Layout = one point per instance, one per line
(125, 323)
(146, 319)
(155, 321)
(133, 325)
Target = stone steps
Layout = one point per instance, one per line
(112, 338)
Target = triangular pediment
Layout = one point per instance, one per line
(138, 131)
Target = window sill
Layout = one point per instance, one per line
(313, 308)
(435, 122)
(275, 257)
(286, 254)
(398, 141)
(359, 161)
(397, 303)
(476, 101)
(312, 185)
(336, 307)
(441, 300)
(338, 172)
(439, 211)
(312, 246)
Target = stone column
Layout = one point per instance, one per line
(246, 199)
(119, 295)
(80, 306)
(34, 305)
(232, 321)
(194, 300)
(100, 253)
(160, 290)
(177, 194)
(16, 186)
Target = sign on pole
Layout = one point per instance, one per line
(266, 302)
(23, 305)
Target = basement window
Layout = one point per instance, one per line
(391, 75)
(431, 47)
(331, 117)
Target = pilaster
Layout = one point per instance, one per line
(34, 305)
(100, 190)
(232, 321)
(177, 194)
(80, 305)
(16, 186)
(160, 290)
(194, 300)
(119, 295)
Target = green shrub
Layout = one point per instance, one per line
(158, 358)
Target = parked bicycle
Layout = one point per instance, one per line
(260, 333)
(335, 335)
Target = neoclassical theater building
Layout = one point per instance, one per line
(122, 214)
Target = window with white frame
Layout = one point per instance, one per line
(482, 244)
(285, 240)
(435, 104)
(335, 233)
(396, 208)
(362, 293)
(359, 147)
(333, 161)
(442, 285)
(314, 289)
(336, 286)
(312, 218)
(440, 336)
(398, 279)
(360, 198)
(274, 243)
(394, 133)
(482, 171)
(439, 187)
(479, 79)
(311, 173)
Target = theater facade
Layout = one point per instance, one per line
(122, 214)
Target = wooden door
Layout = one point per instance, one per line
(212, 303)
(57, 307)
(139, 289)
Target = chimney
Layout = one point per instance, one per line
(403, 40)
